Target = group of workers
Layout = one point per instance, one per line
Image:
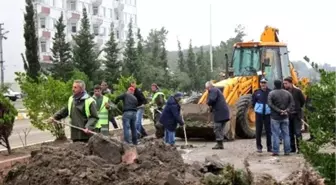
(280, 112)
(93, 113)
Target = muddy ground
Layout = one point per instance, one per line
(100, 162)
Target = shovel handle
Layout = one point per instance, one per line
(73, 126)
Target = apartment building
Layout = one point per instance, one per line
(102, 14)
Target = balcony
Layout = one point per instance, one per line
(97, 20)
(43, 10)
(46, 58)
(73, 16)
(97, 2)
(44, 34)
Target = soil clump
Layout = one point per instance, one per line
(100, 162)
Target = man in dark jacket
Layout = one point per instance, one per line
(262, 112)
(129, 114)
(171, 117)
(141, 109)
(295, 116)
(220, 111)
(281, 103)
(82, 112)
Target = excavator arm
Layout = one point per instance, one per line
(270, 34)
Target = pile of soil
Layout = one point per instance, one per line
(100, 162)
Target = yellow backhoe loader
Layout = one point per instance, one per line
(250, 62)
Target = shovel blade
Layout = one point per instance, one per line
(130, 156)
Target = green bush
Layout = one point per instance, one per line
(45, 97)
(321, 122)
(7, 118)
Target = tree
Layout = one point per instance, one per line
(164, 61)
(321, 119)
(85, 56)
(227, 48)
(180, 60)
(7, 118)
(62, 64)
(191, 62)
(31, 61)
(43, 100)
(130, 66)
(202, 70)
(112, 63)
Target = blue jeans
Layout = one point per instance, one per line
(278, 126)
(139, 116)
(128, 119)
(169, 137)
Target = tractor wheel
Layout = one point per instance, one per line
(245, 121)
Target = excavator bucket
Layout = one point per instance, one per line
(199, 122)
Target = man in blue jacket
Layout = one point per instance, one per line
(262, 112)
(171, 117)
(220, 111)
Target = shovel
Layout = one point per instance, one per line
(130, 153)
(186, 146)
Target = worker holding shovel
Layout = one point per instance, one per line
(171, 117)
(82, 112)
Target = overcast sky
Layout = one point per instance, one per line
(307, 26)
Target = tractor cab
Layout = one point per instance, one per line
(268, 59)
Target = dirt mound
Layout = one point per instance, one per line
(99, 163)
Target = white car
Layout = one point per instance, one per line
(12, 95)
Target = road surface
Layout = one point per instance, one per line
(18, 104)
(35, 135)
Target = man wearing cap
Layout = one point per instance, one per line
(262, 112)
(295, 115)
(220, 111)
(130, 103)
(171, 117)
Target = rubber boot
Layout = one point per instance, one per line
(218, 146)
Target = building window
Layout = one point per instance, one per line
(43, 46)
(117, 34)
(43, 22)
(103, 31)
(111, 13)
(116, 15)
(73, 27)
(72, 5)
(55, 23)
(134, 2)
(96, 30)
(95, 10)
(104, 11)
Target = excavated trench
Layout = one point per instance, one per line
(100, 162)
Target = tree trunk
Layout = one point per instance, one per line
(9, 150)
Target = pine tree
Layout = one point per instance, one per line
(130, 53)
(164, 60)
(112, 62)
(31, 62)
(62, 64)
(140, 48)
(191, 62)
(85, 56)
(180, 61)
